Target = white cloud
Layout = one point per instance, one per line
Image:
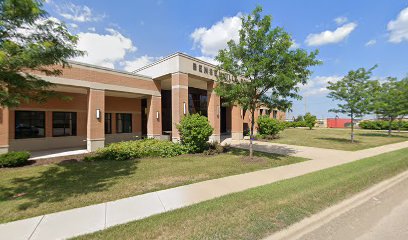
(398, 28)
(295, 45)
(77, 13)
(208, 59)
(318, 85)
(139, 62)
(341, 20)
(328, 37)
(104, 49)
(211, 40)
(92, 29)
(371, 42)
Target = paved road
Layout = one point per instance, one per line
(384, 216)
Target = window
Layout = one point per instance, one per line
(123, 122)
(211, 71)
(194, 66)
(275, 114)
(197, 101)
(215, 73)
(29, 124)
(200, 68)
(206, 70)
(64, 124)
(108, 123)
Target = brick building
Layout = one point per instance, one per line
(108, 106)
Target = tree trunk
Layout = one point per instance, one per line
(389, 126)
(352, 128)
(251, 134)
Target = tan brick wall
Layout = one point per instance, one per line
(104, 76)
(213, 108)
(179, 96)
(4, 127)
(95, 127)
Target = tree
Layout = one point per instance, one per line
(391, 100)
(30, 41)
(262, 69)
(354, 91)
(310, 120)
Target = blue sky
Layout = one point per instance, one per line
(349, 34)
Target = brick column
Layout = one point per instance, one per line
(154, 116)
(214, 111)
(95, 137)
(4, 130)
(179, 99)
(237, 124)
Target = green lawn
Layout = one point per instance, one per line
(258, 212)
(338, 138)
(32, 191)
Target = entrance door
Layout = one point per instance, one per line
(144, 117)
(223, 119)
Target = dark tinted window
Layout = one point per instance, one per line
(108, 123)
(29, 124)
(64, 124)
(123, 122)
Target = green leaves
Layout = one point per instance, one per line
(30, 42)
(354, 92)
(263, 70)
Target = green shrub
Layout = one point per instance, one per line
(383, 125)
(137, 149)
(310, 120)
(195, 131)
(14, 159)
(269, 127)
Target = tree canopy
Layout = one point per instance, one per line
(391, 99)
(354, 93)
(30, 41)
(262, 69)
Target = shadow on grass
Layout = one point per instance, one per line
(338, 140)
(383, 134)
(269, 151)
(66, 180)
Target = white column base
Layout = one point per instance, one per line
(94, 144)
(237, 136)
(215, 138)
(4, 149)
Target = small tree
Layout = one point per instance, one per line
(391, 100)
(262, 69)
(195, 131)
(30, 41)
(310, 120)
(354, 91)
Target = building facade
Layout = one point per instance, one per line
(106, 106)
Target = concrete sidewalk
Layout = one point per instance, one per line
(92, 218)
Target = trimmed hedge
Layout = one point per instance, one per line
(137, 149)
(383, 125)
(269, 127)
(195, 131)
(14, 159)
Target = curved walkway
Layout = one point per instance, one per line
(93, 218)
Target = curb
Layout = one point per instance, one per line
(307, 225)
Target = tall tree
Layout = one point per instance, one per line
(391, 100)
(354, 92)
(30, 41)
(262, 69)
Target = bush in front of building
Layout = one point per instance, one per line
(138, 149)
(195, 131)
(14, 159)
(383, 125)
(269, 127)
